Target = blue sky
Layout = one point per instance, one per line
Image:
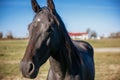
(102, 16)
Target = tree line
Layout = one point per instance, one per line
(115, 35)
(9, 35)
(91, 33)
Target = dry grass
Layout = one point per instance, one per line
(107, 64)
(105, 43)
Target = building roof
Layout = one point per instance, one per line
(77, 34)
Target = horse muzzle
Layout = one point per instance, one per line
(28, 69)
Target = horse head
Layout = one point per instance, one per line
(44, 39)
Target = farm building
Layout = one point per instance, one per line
(78, 36)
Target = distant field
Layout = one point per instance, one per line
(11, 51)
(105, 43)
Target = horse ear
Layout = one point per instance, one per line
(51, 5)
(36, 8)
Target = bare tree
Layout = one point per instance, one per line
(88, 30)
(1, 35)
(115, 35)
(93, 34)
(9, 35)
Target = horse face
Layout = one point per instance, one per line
(44, 38)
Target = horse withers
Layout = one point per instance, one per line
(49, 39)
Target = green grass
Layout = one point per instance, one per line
(11, 52)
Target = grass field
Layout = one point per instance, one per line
(105, 43)
(11, 51)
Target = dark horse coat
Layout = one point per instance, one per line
(69, 60)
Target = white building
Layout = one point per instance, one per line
(79, 36)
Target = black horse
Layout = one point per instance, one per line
(49, 39)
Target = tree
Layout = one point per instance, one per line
(93, 34)
(88, 30)
(9, 35)
(1, 35)
(115, 35)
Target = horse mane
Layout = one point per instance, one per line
(69, 49)
(62, 28)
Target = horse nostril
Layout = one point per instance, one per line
(31, 68)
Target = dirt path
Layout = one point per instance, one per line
(107, 49)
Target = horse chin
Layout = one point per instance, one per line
(33, 75)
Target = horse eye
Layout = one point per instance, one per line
(49, 29)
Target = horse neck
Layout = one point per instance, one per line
(63, 60)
